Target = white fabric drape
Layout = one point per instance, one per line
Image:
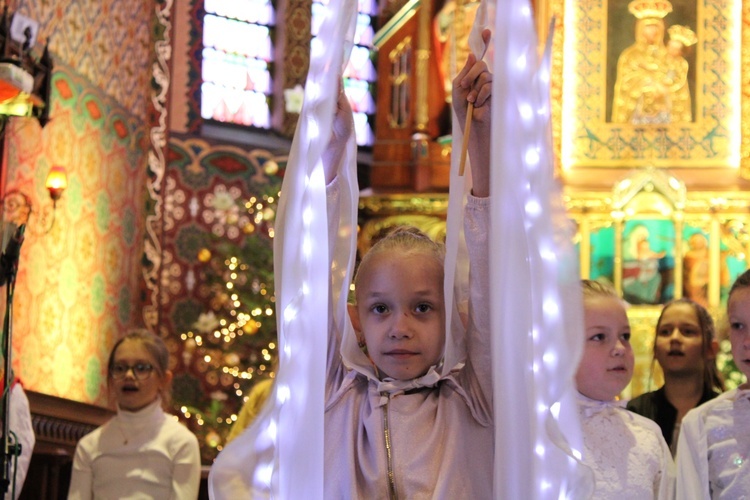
(537, 319)
(281, 454)
(536, 322)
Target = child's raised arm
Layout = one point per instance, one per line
(341, 200)
(342, 129)
(473, 84)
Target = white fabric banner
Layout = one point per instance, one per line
(281, 454)
(537, 319)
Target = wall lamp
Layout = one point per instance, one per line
(17, 206)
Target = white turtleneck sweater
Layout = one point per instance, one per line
(143, 454)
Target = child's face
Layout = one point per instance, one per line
(607, 363)
(137, 388)
(674, 48)
(738, 312)
(400, 313)
(679, 342)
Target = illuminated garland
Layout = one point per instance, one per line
(281, 454)
(233, 343)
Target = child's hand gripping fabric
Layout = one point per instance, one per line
(473, 84)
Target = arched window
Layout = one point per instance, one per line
(360, 74)
(237, 54)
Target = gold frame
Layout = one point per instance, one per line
(718, 136)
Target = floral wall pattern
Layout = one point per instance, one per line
(78, 286)
(216, 284)
(107, 41)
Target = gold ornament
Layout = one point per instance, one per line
(271, 167)
(204, 255)
(650, 9)
(251, 327)
(213, 439)
(232, 359)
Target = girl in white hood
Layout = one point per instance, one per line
(409, 413)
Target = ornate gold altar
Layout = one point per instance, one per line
(651, 128)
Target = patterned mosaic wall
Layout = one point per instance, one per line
(78, 285)
(204, 184)
(107, 41)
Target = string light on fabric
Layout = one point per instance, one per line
(281, 454)
(538, 273)
(532, 157)
(313, 131)
(282, 394)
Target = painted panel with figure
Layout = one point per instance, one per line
(696, 263)
(651, 62)
(602, 254)
(650, 83)
(648, 261)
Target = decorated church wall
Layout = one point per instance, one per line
(216, 291)
(107, 42)
(79, 285)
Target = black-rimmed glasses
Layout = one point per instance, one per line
(141, 371)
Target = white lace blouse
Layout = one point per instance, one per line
(626, 452)
(713, 454)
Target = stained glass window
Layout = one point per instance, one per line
(360, 74)
(237, 53)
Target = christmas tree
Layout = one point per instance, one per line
(232, 344)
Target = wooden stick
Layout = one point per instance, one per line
(465, 142)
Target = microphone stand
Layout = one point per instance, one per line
(8, 271)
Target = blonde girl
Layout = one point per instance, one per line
(713, 455)
(626, 452)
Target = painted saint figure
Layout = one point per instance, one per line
(680, 37)
(641, 276)
(695, 264)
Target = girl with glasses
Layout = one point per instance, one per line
(142, 452)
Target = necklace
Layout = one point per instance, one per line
(125, 437)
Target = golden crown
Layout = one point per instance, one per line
(682, 34)
(645, 9)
